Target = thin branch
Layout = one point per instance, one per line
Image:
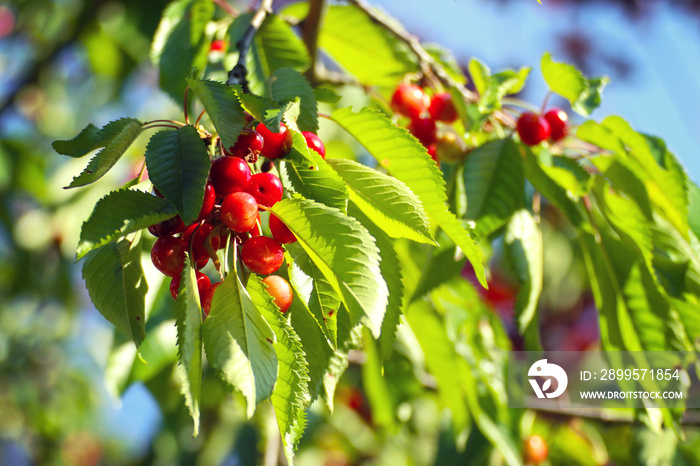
(227, 7)
(238, 75)
(427, 63)
(309, 34)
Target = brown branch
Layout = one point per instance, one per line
(427, 63)
(228, 8)
(238, 75)
(309, 34)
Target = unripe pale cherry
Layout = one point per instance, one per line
(229, 175)
(532, 128)
(442, 108)
(266, 188)
(315, 143)
(262, 255)
(203, 284)
(558, 124)
(280, 231)
(239, 211)
(275, 145)
(280, 290)
(409, 100)
(168, 255)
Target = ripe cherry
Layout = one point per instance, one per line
(266, 188)
(239, 211)
(558, 124)
(262, 255)
(432, 152)
(168, 255)
(424, 130)
(197, 235)
(207, 297)
(217, 45)
(532, 128)
(535, 449)
(275, 145)
(409, 100)
(168, 227)
(208, 203)
(280, 231)
(203, 284)
(229, 175)
(442, 108)
(315, 143)
(280, 290)
(249, 142)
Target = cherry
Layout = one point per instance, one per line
(532, 128)
(424, 130)
(197, 235)
(266, 188)
(432, 152)
(217, 45)
(207, 296)
(208, 203)
(239, 211)
(441, 108)
(409, 100)
(168, 255)
(262, 255)
(249, 142)
(203, 284)
(168, 227)
(256, 230)
(229, 175)
(280, 231)
(276, 145)
(315, 143)
(535, 449)
(280, 290)
(558, 124)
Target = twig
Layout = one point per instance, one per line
(227, 7)
(427, 63)
(238, 75)
(309, 34)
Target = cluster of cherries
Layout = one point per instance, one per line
(233, 198)
(424, 111)
(533, 128)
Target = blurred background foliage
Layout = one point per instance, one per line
(64, 63)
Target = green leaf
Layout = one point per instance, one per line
(240, 343)
(495, 183)
(181, 44)
(304, 171)
(378, 59)
(188, 318)
(84, 143)
(116, 137)
(120, 213)
(291, 389)
(439, 268)
(694, 208)
(326, 95)
(492, 88)
(178, 165)
(114, 279)
(376, 386)
(265, 110)
(563, 79)
(386, 201)
(349, 338)
(447, 60)
(345, 253)
(222, 105)
(286, 85)
(406, 159)
(523, 242)
(391, 271)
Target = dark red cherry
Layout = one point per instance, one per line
(266, 188)
(442, 108)
(532, 128)
(229, 175)
(249, 142)
(315, 143)
(280, 231)
(168, 255)
(168, 227)
(558, 124)
(275, 145)
(203, 284)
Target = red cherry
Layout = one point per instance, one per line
(532, 128)
(424, 130)
(249, 142)
(314, 142)
(266, 188)
(197, 235)
(276, 145)
(558, 124)
(262, 255)
(168, 255)
(535, 449)
(207, 296)
(168, 227)
(256, 230)
(217, 45)
(203, 284)
(280, 231)
(409, 100)
(208, 203)
(229, 175)
(280, 290)
(239, 211)
(432, 152)
(442, 109)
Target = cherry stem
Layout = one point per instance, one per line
(142, 171)
(161, 126)
(174, 122)
(187, 91)
(545, 102)
(263, 208)
(512, 101)
(199, 118)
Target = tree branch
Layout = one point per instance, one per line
(228, 8)
(427, 63)
(238, 75)
(309, 34)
